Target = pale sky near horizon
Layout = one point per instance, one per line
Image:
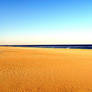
(45, 22)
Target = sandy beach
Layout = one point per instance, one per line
(45, 70)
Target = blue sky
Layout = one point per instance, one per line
(45, 21)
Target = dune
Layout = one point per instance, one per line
(45, 70)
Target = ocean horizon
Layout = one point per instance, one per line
(68, 46)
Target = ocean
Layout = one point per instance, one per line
(78, 46)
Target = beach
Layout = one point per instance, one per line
(24, 69)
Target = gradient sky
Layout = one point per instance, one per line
(45, 21)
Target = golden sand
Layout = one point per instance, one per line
(45, 70)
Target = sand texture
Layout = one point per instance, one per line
(45, 70)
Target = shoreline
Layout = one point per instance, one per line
(42, 48)
(63, 46)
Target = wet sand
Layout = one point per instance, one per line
(45, 70)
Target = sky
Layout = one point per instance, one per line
(45, 22)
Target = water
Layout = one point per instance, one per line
(56, 46)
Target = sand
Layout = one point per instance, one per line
(45, 70)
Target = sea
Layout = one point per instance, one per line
(68, 46)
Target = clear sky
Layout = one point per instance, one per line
(45, 21)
